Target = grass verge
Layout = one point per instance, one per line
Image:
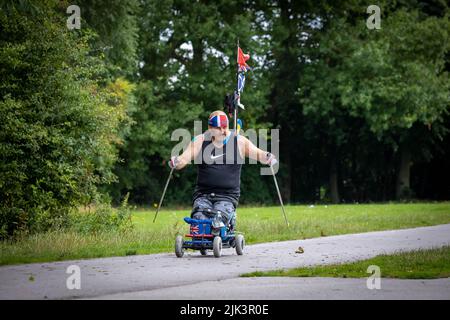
(259, 224)
(419, 264)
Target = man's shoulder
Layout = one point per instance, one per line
(199, 137)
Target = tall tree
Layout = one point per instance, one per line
(390, 78)
(59, 124)
(187, 65)
(115, 23)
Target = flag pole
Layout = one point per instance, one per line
(237, 87)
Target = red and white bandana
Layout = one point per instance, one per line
(220, 120)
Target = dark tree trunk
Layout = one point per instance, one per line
(334, 189)
(403, 176)
(287, 188)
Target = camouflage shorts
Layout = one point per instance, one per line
(210, 202)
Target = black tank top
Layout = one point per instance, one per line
(219, 169)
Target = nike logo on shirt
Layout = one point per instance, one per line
(214, 157)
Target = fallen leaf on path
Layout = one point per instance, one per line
(299, 250)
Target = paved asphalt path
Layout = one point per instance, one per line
(163, 276)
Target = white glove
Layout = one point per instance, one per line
(173, 162)
(270, 159)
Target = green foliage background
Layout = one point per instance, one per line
(61, 120)
(86, 115)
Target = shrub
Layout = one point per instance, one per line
(60, 120)
(103, 218)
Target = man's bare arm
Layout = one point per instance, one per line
(190, 153)
(248, 149)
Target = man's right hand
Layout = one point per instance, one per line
(173, 162)
(271, 160)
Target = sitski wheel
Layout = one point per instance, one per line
(240, 242)
(217, 246)
(203, 252)
(179, 251)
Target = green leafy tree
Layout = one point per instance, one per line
(116, 27)
(391, 79)
(187, 54)
(59, 126)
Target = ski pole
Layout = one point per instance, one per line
(279, 195)
(164, 192)
(237, 87)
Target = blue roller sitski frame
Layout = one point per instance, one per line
(204, 228)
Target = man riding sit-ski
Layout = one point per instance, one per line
(219, 154)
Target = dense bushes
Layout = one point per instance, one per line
(102, 219)
(59, 124)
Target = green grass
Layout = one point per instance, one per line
(259, 224)
(419, 264)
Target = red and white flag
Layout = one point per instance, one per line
(242, 60)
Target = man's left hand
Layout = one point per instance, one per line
(271, 160)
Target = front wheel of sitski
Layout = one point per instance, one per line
(217, 247)
(240, 242)
(179, 251)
